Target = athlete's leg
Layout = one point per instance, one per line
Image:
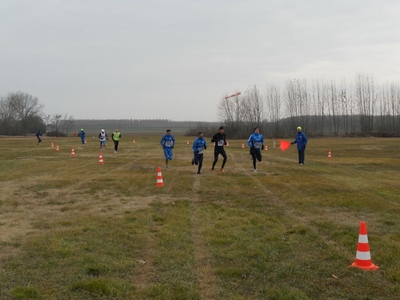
(216, 153)
(223, 153)
(200, 158)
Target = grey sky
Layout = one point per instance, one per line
(176, 59)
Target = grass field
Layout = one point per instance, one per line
(73, 229)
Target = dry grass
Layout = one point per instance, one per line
(73, 229)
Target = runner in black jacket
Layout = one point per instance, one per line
(220, 141)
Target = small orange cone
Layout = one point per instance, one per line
(266, 147)
(72, 152)
(85, 141)
(227, 143)
(243, 145)
(363, 256)
(329, 154)
(159, 178)
(52, 145)
(57, 149)
(101, 159)
(134, 141)
(187, 142)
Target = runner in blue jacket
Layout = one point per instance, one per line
(301, 141)
(256, 143)
(168, 143)
(199, 145)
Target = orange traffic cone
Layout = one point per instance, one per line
(101, 159)
(52, 145)
(329, 154)
(134, 141)
(266, 147)
(363, 256)
(72, 152)
(242, 145)
(227, 143)
(187, 142)
(57, 149)
(85, 141)
(159, 178)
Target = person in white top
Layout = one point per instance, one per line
(103, 137)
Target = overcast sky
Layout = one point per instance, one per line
(172, 59)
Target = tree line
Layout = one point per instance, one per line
(322, 108)
(21, 114)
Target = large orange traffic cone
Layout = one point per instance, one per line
(101, 158)
(329, 154)
(72, 152)
(363, 256)
(242, 145)
(57, 149)
(159, 178)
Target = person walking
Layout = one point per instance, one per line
(219, 139)
(301, 141)
(256, 143)
(82, 134)
(168, 143)
(38, 135)
(103, 137)
(199, 145)
(116, 136)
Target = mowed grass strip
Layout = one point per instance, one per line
(74, 229)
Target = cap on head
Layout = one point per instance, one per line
(81, 129)
(102, 130)
(221, 127)
(298, 128)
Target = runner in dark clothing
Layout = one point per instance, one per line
(38, 135)
(220, 141)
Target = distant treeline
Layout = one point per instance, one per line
(322, 108)
(135, 126)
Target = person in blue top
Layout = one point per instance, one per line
(301, 141)
(38, 135)
(256, 143)
(168, 143)
(82, 134)
(199, 145)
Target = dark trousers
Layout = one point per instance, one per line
(198, 160)
(301, 156)
(256, 155)
(116, 145)
(217, 152)
(83, 140)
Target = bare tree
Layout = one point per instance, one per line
(25, 107)
(7, 117)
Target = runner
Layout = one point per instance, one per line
(198, 147)
(82, 134)
(103, 137)
(116, 137)
(220, 141)
(38, 135)
(256, 143)
(168, 143)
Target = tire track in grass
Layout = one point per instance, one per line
(205, 273)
